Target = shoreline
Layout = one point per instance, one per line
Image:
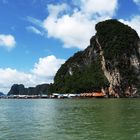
(73, 98)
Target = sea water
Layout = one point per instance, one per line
(69, 119)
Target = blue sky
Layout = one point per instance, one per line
(37, 36)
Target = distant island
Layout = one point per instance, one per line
(19, 89)
(109, 65)
(1, 94)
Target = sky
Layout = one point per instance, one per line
(38, 36)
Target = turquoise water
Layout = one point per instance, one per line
(66, 119)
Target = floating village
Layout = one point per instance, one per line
(56, 96)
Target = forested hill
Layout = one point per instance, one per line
(111, 62)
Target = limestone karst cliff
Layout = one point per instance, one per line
(111, 62)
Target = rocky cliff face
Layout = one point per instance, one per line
(120, 57)
(110, 62)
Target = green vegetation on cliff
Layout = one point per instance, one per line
(116, 38)
(81, 73)
(120, 45)
(85, 71)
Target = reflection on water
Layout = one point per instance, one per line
(78, 119)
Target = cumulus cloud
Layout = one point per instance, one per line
(74, 26)
(101, 7)
(75, 29)
(10, 76)
(43, 72)
(7, 41)
(47, 66)
(54, 10)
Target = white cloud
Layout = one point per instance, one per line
(75, 29)
(137, 2)
(43, 72)
(47, 66)
(7, 41)
(74, 26)
(134, 22)
(54, 10)
(34, 30)
(10, 76)
(101, 7)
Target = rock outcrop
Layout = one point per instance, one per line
(111, 62)
(19, 89)
(122, 66)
